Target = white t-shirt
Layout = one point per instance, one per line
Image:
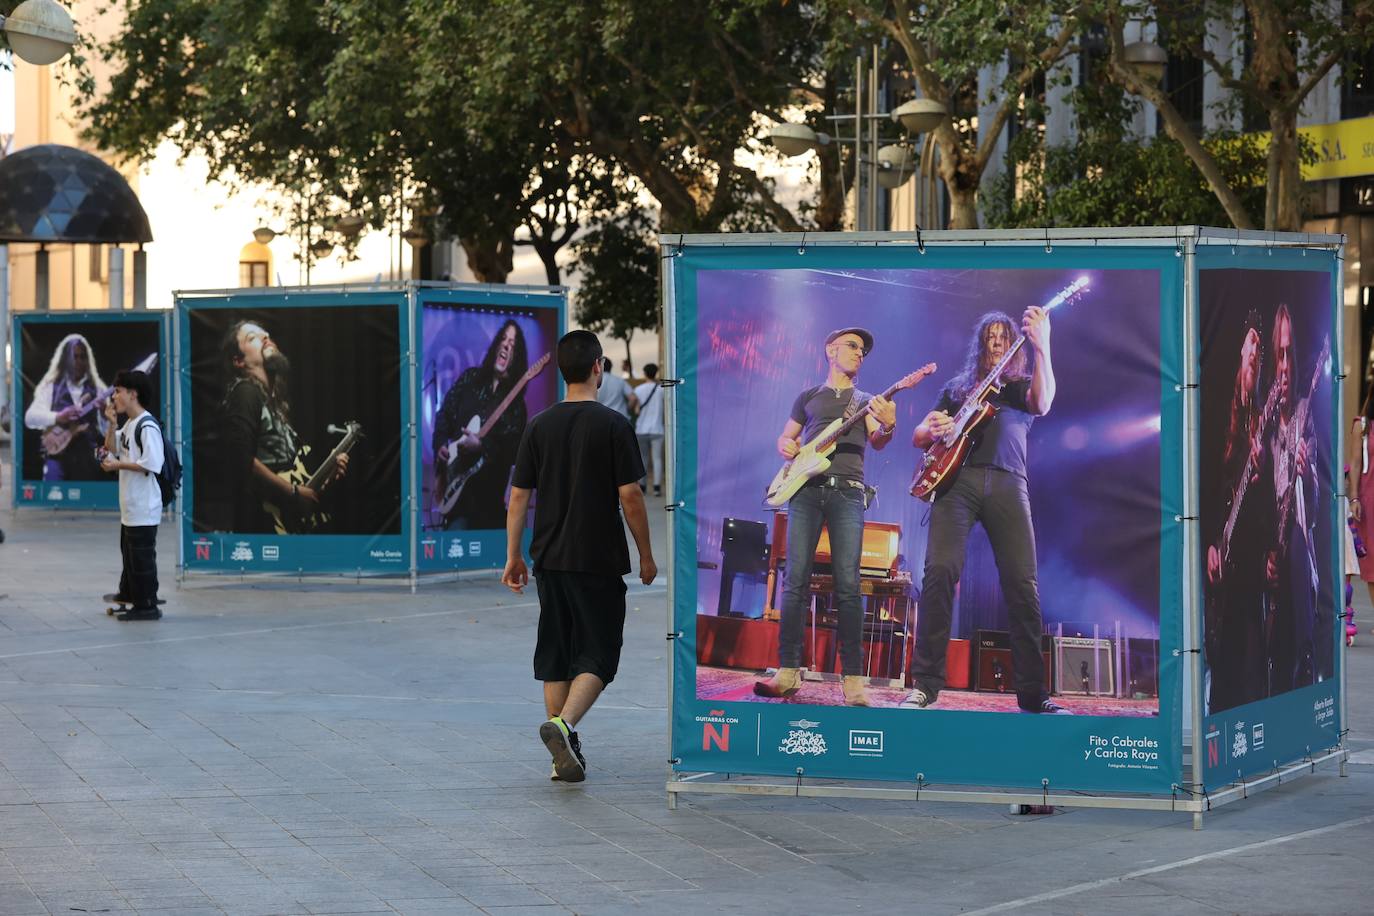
(650, 419)
(140, 498)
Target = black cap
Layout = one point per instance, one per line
(863, 333)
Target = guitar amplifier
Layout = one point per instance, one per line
(992, 666)
(1086, 666)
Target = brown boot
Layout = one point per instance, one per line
(783, 684)
(854, 693)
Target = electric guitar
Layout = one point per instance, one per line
(57, 437)
(453, 475)
(291, 520)
(813, 458)
(947, 455)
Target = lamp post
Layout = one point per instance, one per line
(39, 31)
(887, 167)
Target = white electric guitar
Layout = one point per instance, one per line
(455, 473)
(813, 458)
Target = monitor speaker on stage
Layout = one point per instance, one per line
(1086, 666)
(992, 665)
(744, 552)
(1140, 675)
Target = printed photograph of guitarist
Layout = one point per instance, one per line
(258, 441)
(477, 394)
(1234, 645)
(1293, 631)
(990, 489)
(836, 500)
(64, 399)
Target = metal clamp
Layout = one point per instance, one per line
(673, 507)
(920, 242)
(676, 635)
(671, 382)
(801, 249)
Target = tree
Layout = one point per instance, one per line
(945, 44)
(618, 263)
(1279, 53)
(667, 91)
(1122, 182)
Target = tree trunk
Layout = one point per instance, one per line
(629, 362)
(1283, 197)
(490, 260)
(548, 254)
(963, 208)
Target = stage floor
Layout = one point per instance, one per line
(735, 686)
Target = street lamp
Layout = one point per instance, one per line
(39, 31)
(264, 235)
(1148, 59)
(888, 167)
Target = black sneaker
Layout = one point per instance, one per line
(135, 614)
(577, 749)
(566, 762)
(658, 491)
(917, 699)
(1046, 707)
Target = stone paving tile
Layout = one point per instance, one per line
(294, 791)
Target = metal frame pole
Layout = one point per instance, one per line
(413, 385)
(174, 348)
(1192, 624)
(670, 481)
(873, 129)
(1337, 382)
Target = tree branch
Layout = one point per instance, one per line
(1041, 62)
(1174, 123)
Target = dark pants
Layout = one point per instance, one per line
(998, 500)
(138, 580)
(841, 510)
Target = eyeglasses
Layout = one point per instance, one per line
(853, 346)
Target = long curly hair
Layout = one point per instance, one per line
(978, 362)
(1245, 406)
(519, 359)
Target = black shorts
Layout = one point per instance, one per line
(581, 625)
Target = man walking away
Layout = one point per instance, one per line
(615, 392)
(649, 426)
(583, 459)
(136, 453)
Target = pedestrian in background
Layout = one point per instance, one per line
(649, 427)
(135, 451)
(615, 392)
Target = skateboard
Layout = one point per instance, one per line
(119, 605)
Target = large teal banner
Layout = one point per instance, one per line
(1018, 622)
(1271, 515)
(295, 411)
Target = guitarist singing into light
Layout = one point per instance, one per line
(60, 399)
(476, 394)
(260, 444)
(990, 488)
(836, 500)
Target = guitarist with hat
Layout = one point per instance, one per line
(835, 500)
(990, 489)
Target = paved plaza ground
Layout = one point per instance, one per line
(277, 747)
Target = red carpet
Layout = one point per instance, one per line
(734, 686)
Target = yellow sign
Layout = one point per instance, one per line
(1344, 149)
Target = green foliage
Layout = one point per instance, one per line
(1127, 182)
(618, 263)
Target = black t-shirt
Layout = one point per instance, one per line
(1003, 442)
(816, 408)
(252, 428)
(482, 502)
(576, 455)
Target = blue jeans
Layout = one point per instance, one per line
(841, 510)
